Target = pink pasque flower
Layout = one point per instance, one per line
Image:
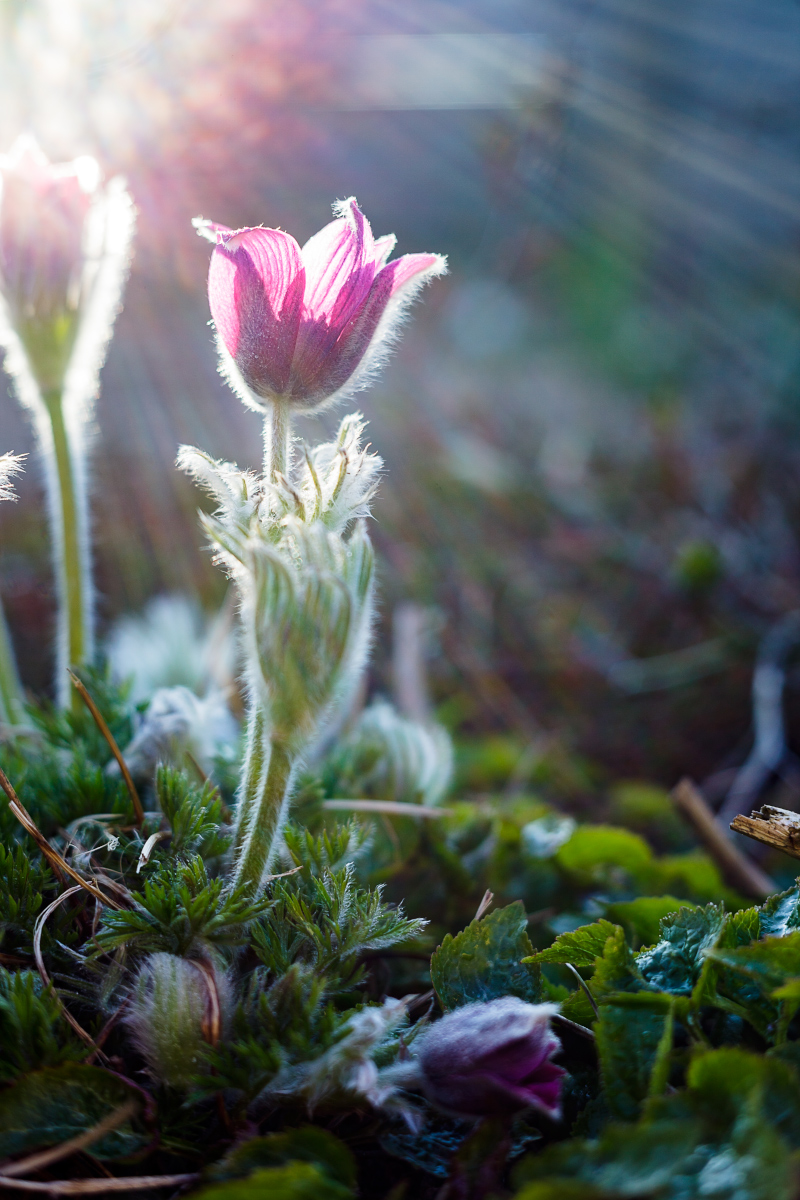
(43, 211)
(308, 325)
(492, 1058)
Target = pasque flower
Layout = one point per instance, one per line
(307, 326)
(44, 209)
(491, 1058)
(65, 239)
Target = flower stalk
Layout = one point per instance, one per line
(69, 511)
(298, 328)
(65, 240)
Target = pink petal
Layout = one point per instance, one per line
(340, 268)
(405, 270)
(383, 248)
(255, 289)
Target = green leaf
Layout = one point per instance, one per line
(50, 1106)
(675, 962)
(596, 853)
(781, 914)
(625, 1161)
(628, 1045)
(295, 1181)
(33, 1032)
(641, 918)
(578, 946)
(483, 962)
(308, 1144)
(769, 962)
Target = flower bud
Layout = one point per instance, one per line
(388, 757)
(307, 326)
(43, 216)
(492, 1058)
(176, 1008)
(177, 721)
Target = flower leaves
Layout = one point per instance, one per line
(484, 961)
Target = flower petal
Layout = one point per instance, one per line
(340, 267)
(255, 289)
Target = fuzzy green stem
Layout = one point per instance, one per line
(266, 825)
(72, 585)
(12, 705)
(277, 432)
(252, 773)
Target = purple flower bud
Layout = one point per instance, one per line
(492, 1058)
(307, 325)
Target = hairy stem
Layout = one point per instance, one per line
(70, 540)
(268, 819)
(277, 432)
(12, 709)
(252, 773)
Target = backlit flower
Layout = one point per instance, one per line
(309, 325)
(44, 209)
(492, 1058)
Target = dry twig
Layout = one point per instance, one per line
(737, 870)
(777, 827)
(99, 721)
(44, 1158)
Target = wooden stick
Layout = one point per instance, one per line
(96, 1187)
(736, 868)
(100, 722)
(394, 808)
(777, 827)
(36, 1162)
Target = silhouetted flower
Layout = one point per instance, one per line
(491, 1058)
(309, 325)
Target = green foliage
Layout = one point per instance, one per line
(22, 882)
(33, 1032)
(641, 918)
(194, 814)
(484, 961)
(675, 962)
(580, 947)
(55, 1104)
(596, 853)
(296, 1181)
(181, 910)
(308, 1144)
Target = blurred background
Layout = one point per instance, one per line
(591, 427)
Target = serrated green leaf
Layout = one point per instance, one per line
(50, 1106)
(581, 947)
(675, 962)
(781, 914)
(483, 962)
(641, 918)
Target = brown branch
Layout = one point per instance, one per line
(96, 1187)
(36, 1162)
(737, 870)
(99, 721)
(776, 827)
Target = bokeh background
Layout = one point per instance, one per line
(591, 427)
